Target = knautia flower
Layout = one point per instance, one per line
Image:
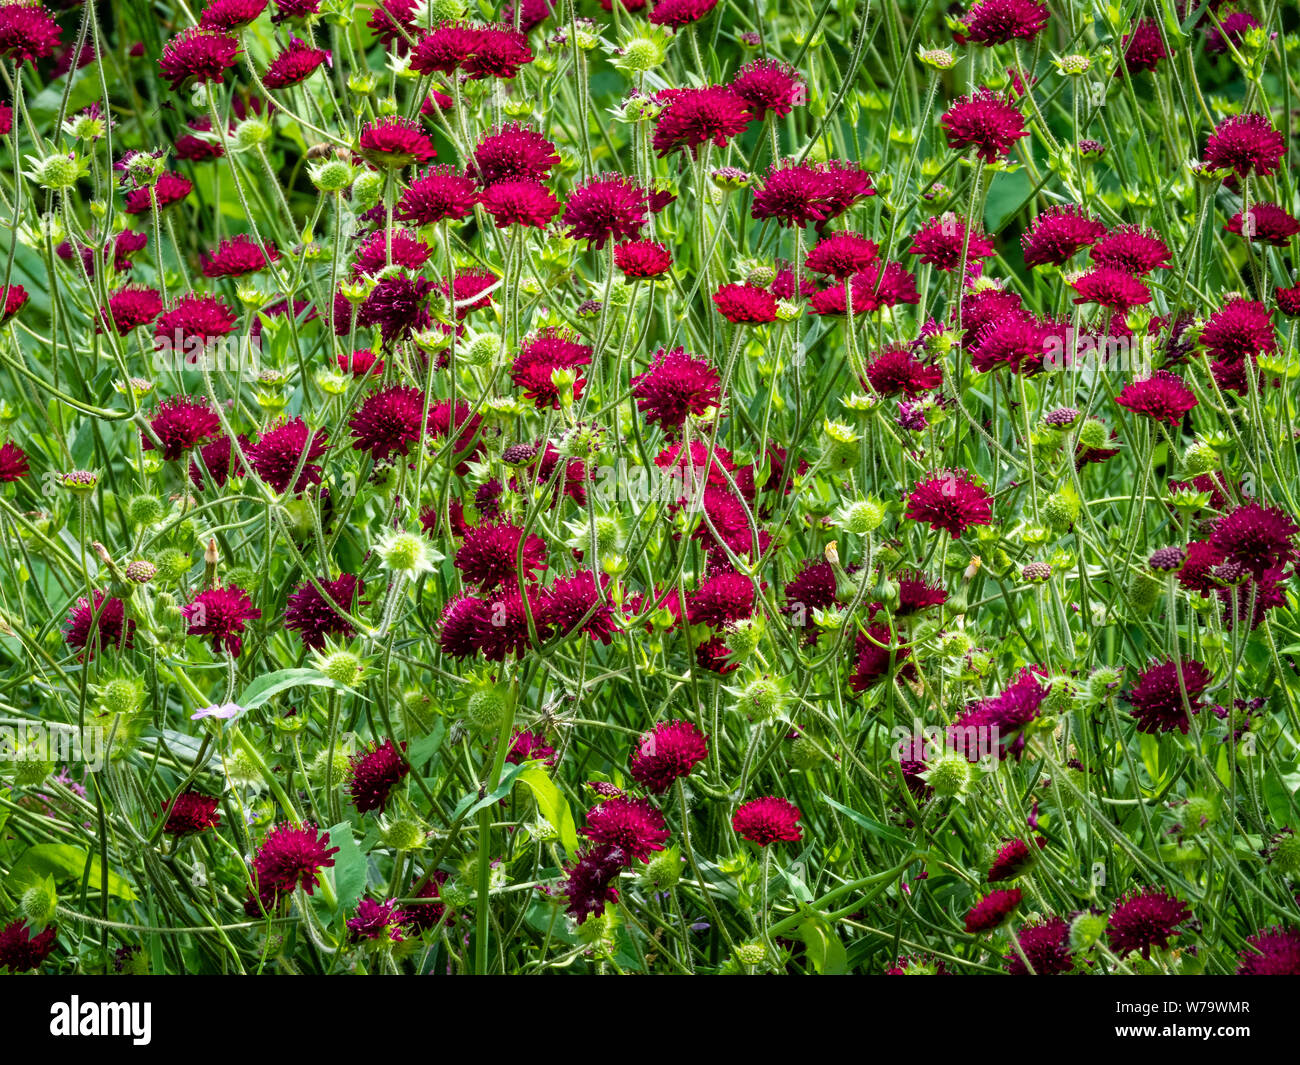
(768, 820)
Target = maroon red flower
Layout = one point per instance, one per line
(1012, 859)
(373, 775)
(745, 304)
(197, 55)
(604, 206)
(1267, 223)
(130, 307)
(168, 189)
(498, 52)
(1274, 951)
(1144, 47)
(1162, 397)
(642, 259)
(1245, 144)
(91, 628)
(227, 16)
(1046, 946)
(767, 820)
(842, 254)
(394, 142)
(487, 556)
(632, 825)
(1110, 287)
(1258, 538)
(680, 12)
(313, 617)
(675, 385)
(238, 256)
(768, 86)
(1058, 234)
(1157, 700)
(993, 910)
(991, 22)
(986, 121)
(13, 462)
(282, 449)
(20, 951)
(191, 812)
(221, 613)
(1131, 248)
(1144, 919)
(180, 424)
(570, 600)
(192, 322)
(692, 117)
(519, 203)
(666, 753)
(940, 243)
(27, 31)
(514, 153)
(952, 500)
(588, 883)
(289, 858)
(439, 194)
(293, 65)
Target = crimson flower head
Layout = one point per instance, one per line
(168, 189)
(439, 194)
(221, 613)
(227, 16)
(374, 773)
(377, 920)
(992, 910)
(570, 600)
(1045, 945)
(499, 52)
(514, 152)
(713, 114)
(388, 422)
(1143, 47)
(723, 599)
(1257, 538)
(589, 882)
(308, 613)
(293, 65)
(487, 555)
(407, 251)
(1058, 234)
(604, 206)
(1131, 248)
(289, 858)
(765, 821)
(745, 304)
(1157, 700)
(679, 13)
(897, 372)
(131, 307)
(13, 462)
(192, 322)
(1018, 341)
(27, 31)
(393, 21)
(180, 424)
(15, 296)
(191, 812)
(282, 449)
(794, 194)
(1245, 144)
(642, 259)
(1162, 397)
(445, 48)
(632, 825)
(20, 951)
(1266, 223)
(197, 55)
(237, 256)
(986, 121)
(952, 500)
(1012, 859)
(1274, 951)
(394, 142)
(1238, 330)
(1144, 919)
(667, 753)
(768, 86)
(991, 22)
(676, 384)
(530, 746)
(553, 348)
(102, 623)
(842, 254)
(940, 242)
(1111, 287)
(519, 203)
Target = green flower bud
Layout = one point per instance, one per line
(1061, 510)
(403, 834)
(122, 695)
(762, 699)
(1199, 813)
(342, 667)
(331, 175)
(39, 903)
(252, 132)
(751, 953)
(1093, 434)
(145, 510)
(663, 870)
(172, 564)
(1142, 592)
(366, 190)
(806, 753)
(1285, 856)
(950, 776)
(1200, 458)
(485, 708)
(1103, 682)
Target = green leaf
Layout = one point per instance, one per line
(553, 805)
(349, 866)
(874, 827)
(62, 861)
(269, 684)
(825, 951)
(467, 806)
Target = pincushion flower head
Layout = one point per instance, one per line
(1257, 538)
(1266, 223)
(1240, 329)
(377, 921)
(634, 826)
(15, 296)
(168, 189)
(1111, 287)
(197, 55)
(1144, 919)
(605, 206)
(1131, 248)
(679, 13)
(180, 423)
(445, 48)
(499, 52)
(374, 773)
(94, 625)
(589, 882)
(1058, 234)
(13, 463)
(289, 858)
(1144, 47)
(711, 115)
(1045, 945)
(942, 241)
(675, 385)
(238, 256)
(1157, 700)
(768, 86)
(286, 449)
(1163, 397)
(952, 500)
(131, 307)
(745, 304)
(1245, 144)
(394, 142)
(642, 259)
(519, 203)
(221, 613)
(293, 65)
(993, 910)
(794, 194)
(514, 152)
(389, 421)
(896, 371)
(551, 349)
(230, 16)
(574, 604)
(990, 22)
(986, 121)
(191, 812)
(310, 614)
(670, 751)
(487, 555)
(1274, 951)
(439, 194)
(22, 948)
(27, 31)
(767, 820)
(191, 323)
(1013, 858)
